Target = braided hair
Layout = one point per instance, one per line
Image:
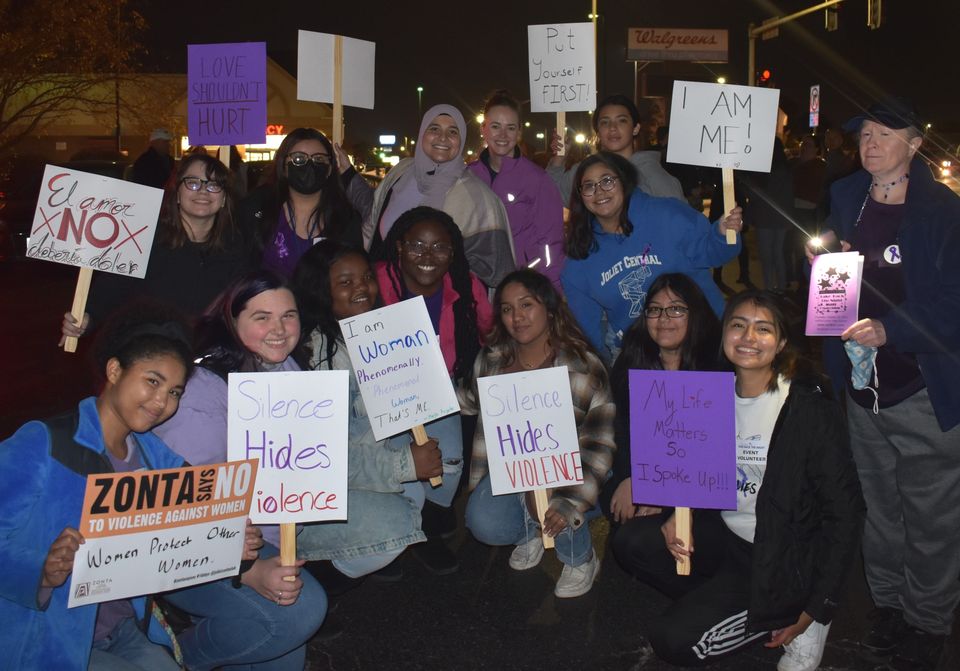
(466, 333)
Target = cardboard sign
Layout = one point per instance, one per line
(153, 531)
(227, 93)
(95, 222)
(683, 438)
(399, 367)
(563, 71)
(315, 69)
(530, 430)
(834, 298)
(723, 126)
(295, 425)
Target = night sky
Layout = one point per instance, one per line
(459, 51)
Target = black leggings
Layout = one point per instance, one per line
(708, 617)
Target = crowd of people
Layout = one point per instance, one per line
(824, 464)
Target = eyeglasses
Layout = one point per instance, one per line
(300, 158)
(417, 248)
(672, 311)
(196, 184)
(606, 183)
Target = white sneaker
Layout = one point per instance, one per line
(805, 651)
(577, 580)
(527, 555)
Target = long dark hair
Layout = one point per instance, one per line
(311, 285)
(466, 332)
(581, 241)
(334, 207)
(565, 333)
(216, 337)
(698, 351)
(170, 228)
(788, 361)
(142, 330)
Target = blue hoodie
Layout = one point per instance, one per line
(668, 236)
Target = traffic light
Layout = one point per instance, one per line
(763, 77)
(831, 18)
(874, 13)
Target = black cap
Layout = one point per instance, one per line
(893, 112)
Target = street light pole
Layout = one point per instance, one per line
(754, 31)
(419, 101)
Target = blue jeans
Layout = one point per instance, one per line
(504, 520)
(448, 434)
(236, 628)
(128, 649)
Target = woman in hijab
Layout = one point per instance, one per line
(437, 176)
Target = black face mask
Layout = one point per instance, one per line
(307, 179)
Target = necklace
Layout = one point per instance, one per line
(531, 366)
(886, 186)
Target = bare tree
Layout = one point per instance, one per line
(59, 57)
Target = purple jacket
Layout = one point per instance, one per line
(534, 210)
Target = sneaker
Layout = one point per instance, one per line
(887, 631)
(436, 556)
(577, 580)
(527, 555)
(918, 651)
(805, 651)
(392, 572)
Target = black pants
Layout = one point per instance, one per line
(708, 617)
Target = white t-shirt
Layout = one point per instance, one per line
(756, 418)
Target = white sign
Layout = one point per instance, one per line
(563, 71)
(295, 425)
(698, 45)
(399, 366)
(153, 531)
(723, 126)
(529, 430)
(94, 222)
(315, 69)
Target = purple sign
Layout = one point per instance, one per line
(834, 297)
(227, 93)
(683, 439)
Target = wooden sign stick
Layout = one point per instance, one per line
(338, 89)
(420, 435)
(224, 155)
(288, 547)
(684, 523)
(79, 305)
(562, 132)
(729, 201)
(540, 500)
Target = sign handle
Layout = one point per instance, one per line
(288, 547)
(562, 132)
(420, 435)
(338, 89)
(79, 304)
(224, 155)
(729, 201)
(684, 531)
(540, 500)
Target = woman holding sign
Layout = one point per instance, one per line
(621, 240)
(334, 282)
(145, 361)
(425, 256)
(773, 568)
(678, 331)
(303, 202)
(262, 618)
(535, 329)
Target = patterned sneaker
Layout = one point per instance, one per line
(805, 651)
(577, 580)
(527, 555)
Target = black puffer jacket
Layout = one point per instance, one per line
(810, 512)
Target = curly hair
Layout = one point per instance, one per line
(698, 351)
(788, 361)
(216, 337)
(581, 241)
(466, 332)
(142, 330)
(565, 333)
(311, 286)
(170, 229)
